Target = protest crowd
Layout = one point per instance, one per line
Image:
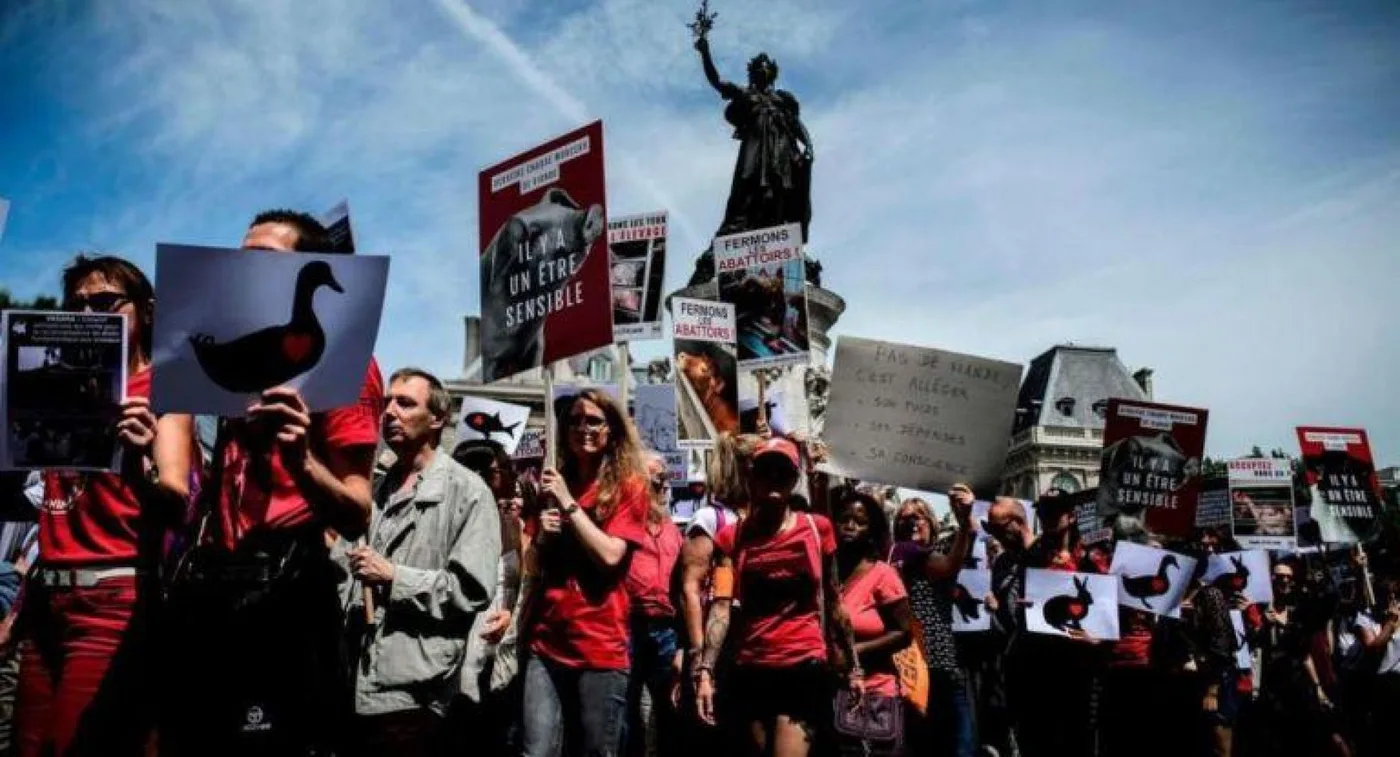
(279, 597)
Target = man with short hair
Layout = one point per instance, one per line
(256, 632)
(430, 564)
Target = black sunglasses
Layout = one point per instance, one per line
(99, 302)
(589, 422)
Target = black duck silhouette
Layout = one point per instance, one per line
(1233, 583)
(1065, 612)
(486, 425)
(967, 605)
(1144, 588)
(270, 357)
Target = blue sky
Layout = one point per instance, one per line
(1213, 188)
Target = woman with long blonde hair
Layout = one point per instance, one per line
(576, 678)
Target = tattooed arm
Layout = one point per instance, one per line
(703, 668)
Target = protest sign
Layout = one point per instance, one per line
(919, 417)
(337, 223)
(1261, 500)
(775, 407)
(531, 445)
(1244, 659)
(61, 389)
(4, 214)
(707, 371)
(1151, 579)
(1151, 467)
(544, 263)
(1341, 478)
(762, 274)
(499, 422)
(970, 611)
(1060, 602)
(1241, 573)
(1093, 529)
(1213, 504)
(977, 554)
(637, 245)
(232, 323)
(655, 416)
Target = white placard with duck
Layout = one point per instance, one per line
(500, 422)
(1151, 580)
(1245, 573)
(232, 323)
(1059, 603)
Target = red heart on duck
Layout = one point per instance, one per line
(296, 346)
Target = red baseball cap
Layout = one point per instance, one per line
(779, 446)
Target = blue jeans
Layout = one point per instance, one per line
(585, 707)
(950, 707)
(653, 646)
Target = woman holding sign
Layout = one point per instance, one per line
(86, 617)
(789, 617)
(576, 679)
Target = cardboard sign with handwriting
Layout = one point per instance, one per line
(919, 417)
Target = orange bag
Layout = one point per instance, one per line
(913, 670)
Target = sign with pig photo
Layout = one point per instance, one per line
(1064, 604)
(707, 371)
(1151, 471)
(545, 288)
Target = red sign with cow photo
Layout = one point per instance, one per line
(1151, 473)
(545, 292)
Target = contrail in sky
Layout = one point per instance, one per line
(481, 29)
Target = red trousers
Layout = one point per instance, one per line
(82, 672)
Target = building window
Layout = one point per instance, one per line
(1065, 482)
(1101, 409)
(1065, 405)
(600, 370)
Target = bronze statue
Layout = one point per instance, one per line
(772, 175)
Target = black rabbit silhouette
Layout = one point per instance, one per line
(1065, 612)
(1233, 583)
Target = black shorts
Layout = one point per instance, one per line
(804, 693)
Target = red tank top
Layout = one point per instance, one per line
(91, 518)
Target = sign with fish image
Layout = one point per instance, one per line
(500, 422)
(230, 324)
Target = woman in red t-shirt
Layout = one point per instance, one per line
(784, 567)
(576, 678)
(86, 614)
(873, 597)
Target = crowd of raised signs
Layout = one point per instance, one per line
(278, 597)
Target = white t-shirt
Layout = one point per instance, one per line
(710, 518)
(1390, 662)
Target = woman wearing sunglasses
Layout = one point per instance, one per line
(576, 678)
(785, 601)
(87, 614)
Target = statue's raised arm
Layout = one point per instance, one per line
(727, 90)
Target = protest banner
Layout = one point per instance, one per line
(707, 371)
(762, 274)
(544, 264)
(637, 245)
(1060, 602)
(1151, 468)
(230, 324)
(1341, 478)
(1151, 579)
(61, 389)
(1213, 504)
(655, 416)
(1244, 659)
(919, 417)
(337, 223)
(970, 613)
(1261, 503)
(1243, 573)
(499, 422)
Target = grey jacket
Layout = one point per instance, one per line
(444, 539)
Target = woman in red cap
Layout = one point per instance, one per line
(783, 563)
